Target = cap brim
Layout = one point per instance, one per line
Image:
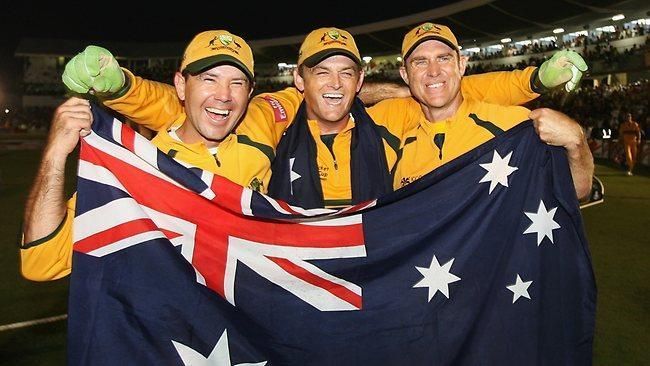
(317, 57)
(430, 38)
(203, 64)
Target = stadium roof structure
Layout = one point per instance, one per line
(475, 23)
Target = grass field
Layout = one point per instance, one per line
(618, 231)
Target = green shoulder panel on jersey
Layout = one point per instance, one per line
(265, 149)
(399, 154)
(392, 140)
(491, 127)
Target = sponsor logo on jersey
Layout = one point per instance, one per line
(279, 113)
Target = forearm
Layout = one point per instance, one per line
(581, 163)
(46, 205)
(373, 92)
(151, 104)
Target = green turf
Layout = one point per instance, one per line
(617, 231)
(24, 300)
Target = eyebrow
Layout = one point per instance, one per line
(217, 75)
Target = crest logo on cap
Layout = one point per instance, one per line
(427, 28)
(226, 41)
(334, 37)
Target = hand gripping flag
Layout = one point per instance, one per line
(482, 262)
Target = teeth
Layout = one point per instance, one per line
(222, 112)
(333, 95)
(435, 85)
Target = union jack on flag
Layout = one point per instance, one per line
(483, 261)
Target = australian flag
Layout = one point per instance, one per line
(482, 262)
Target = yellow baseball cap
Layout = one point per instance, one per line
(324, 42)
(214, 47)
(428, 31)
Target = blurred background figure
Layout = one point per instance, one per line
(629, 134)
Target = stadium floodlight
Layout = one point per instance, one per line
(618, 17)
(366, 59)
(399, 58)
(473, 49)
(506, 40)
(524, 42)
(6, 110)
(558, 30)
(579, 33)
(282, 64)
(608, 28)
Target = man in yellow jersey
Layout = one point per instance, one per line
(629, 133)
(451, 122)
(215, 83)
(270, 114)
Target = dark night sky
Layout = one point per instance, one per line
(146, 22)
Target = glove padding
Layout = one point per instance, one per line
(565, 67)
(94, 70)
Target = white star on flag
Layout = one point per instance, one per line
(436, 277)
(292, 175)
(498, 171)
(543, 223)
(519, 289)
(220, 355)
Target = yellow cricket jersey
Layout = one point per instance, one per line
(334, 165)
(50, 258)
(433, 144)
(269, 115)
(629, 132)
(244, 156)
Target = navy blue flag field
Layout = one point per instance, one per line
(482, 262)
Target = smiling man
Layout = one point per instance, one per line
(451, 122)
(215, 83)
(321, 147)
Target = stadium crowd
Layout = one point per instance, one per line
(597, 105)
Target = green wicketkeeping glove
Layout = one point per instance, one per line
(94, 71)
(565, 67)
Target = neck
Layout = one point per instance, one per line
(434, 114)
(329, 127)
(189, 136)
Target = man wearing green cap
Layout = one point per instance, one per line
(215, 84)
(330, 172)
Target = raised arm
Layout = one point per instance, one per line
(557, 129)
(46, 246)
(517, 87)
(46, 204)
(95, 71)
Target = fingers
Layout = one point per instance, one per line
(538, 113)
(575, 59)
(74, 114)
(71, 80)
(575, 79)
(91, 60)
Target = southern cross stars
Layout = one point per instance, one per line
(498, 170)
(519, 289)
(220, 355)
(437, 277)
(543, 223)
(292, 175)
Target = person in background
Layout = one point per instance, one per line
(629, 133)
